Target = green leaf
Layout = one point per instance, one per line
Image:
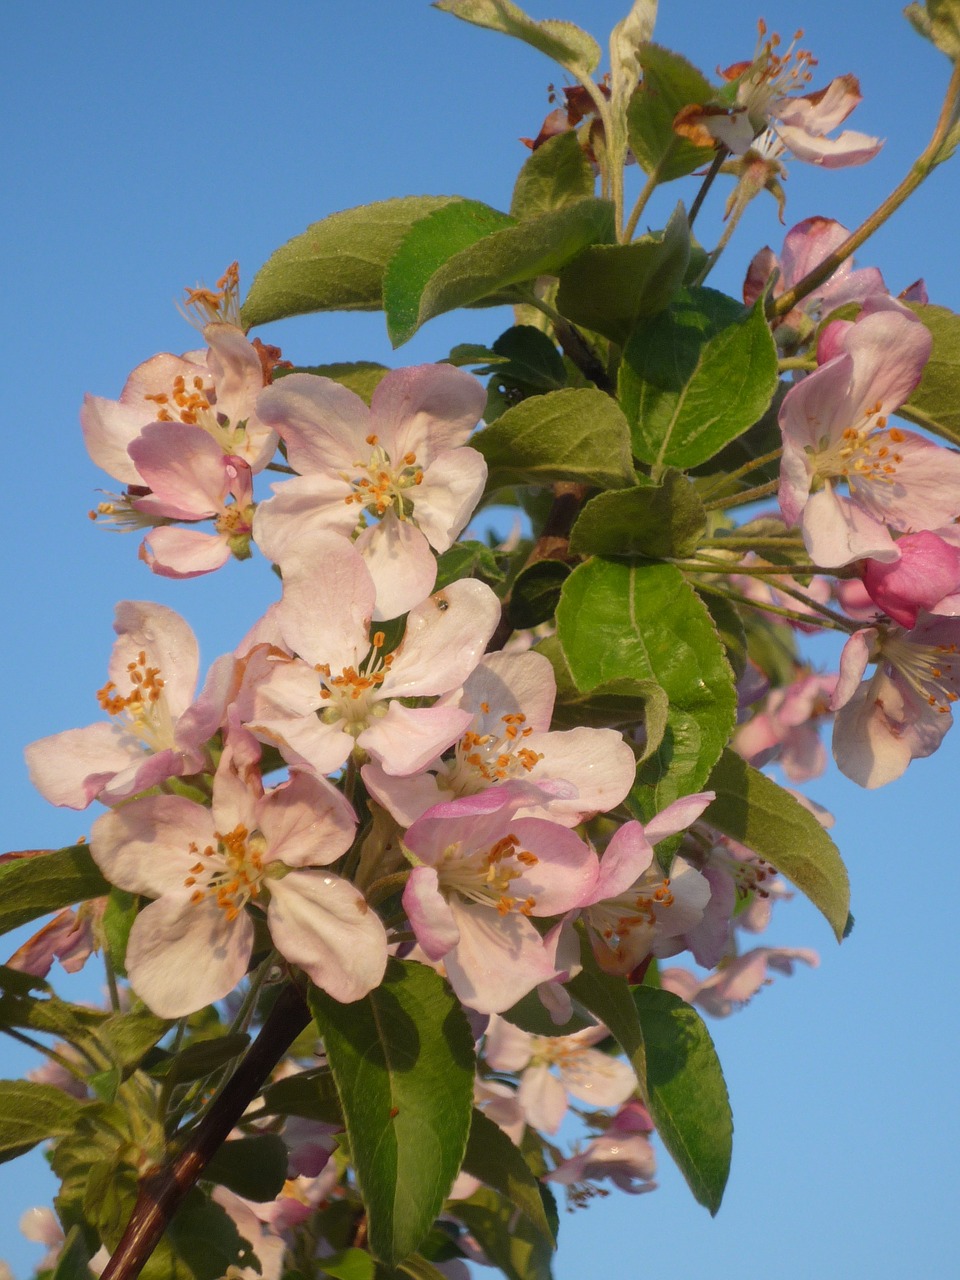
(656, 521)
(535, 592)
(529, 1014)
(44, 1012)
(509, 1240)
(696, 377)
(529, 360)
(203, 1056)
(562, 41)
(612, 704)
(337, 264)
(426, 247)
(687, 1092)
(32, 1113)
(935, 404)
(680, 1077)
(310, 1093)
(557, 173)
(403, 1062)
(127, 1037)
(350, 1264)
(118, 917)
(939, 22)
(38, 882)
(753, 809)
(73, 1259)
(201, 1243)
(669, 83)
(418, 1268)
(644, 622)
(729, 624)
(254, 1167)
(486, 273)
(360, 376)
(494, 1159)
(577, 434)
(468, 560)
(610, 288)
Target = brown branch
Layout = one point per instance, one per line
(162, 1190)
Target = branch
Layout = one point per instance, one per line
(162, 1190)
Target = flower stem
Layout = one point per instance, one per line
(753, 465)
(741, 499)
(162, 1190)
(791, 615)
(919, 171)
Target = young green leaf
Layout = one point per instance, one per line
(576, 434)
(509, 1240)
(655, 521)
(562, 41)
(32, 1113)
(669, 83)
(643, 621)
(37, 882)
(696, 377)
(753, 809)
(403, 1062)
(429, 243)
(611, 288)
(935, 404)
(489, 271)
(494, 1159)
(337, 264)
(557, 173)
(535, 592)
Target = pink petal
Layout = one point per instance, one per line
(429, 914)
(407, 739)
(401, 564)
(144, 846)
(306, 822)
(184, 553)
(543, 1098)
(426, 409)
(444, 640)
(446, 498)
(322, 422)
(497, 960)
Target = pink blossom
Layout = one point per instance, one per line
(804, 247)
(346, 689)
(155, 731)
(212, 391)
(401, 464)
(584, 1072)
(835, 430)
(510, 700)
(737, 980)
(927, 576)
(637, 910)
(798, 122)
(68, 937)
(902, 712)
(785, 729)
(480, 873)
(192, 945)
(623, 1154)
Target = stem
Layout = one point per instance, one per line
(649, 187)
(386, 887)
(722, 243)
(716, 162)
(111, 981)
(753, 465)
(741, 499)
(161, 1191)
(750, 570)
(921, 169)
(751, 544)
(796, 362)
(574, 345)
(792, 615)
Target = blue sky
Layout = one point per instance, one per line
(146, 148)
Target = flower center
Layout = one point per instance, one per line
(638, 908)
(933, 670)
(486, 876)
(771, 75)
(351, 694)
(484, 759)
(144, 709)
(381, 484)
(231, 873)
(864, 455)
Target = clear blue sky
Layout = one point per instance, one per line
(148, 146)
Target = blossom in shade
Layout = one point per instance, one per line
(205, 866)
(622, 1153)
(785, 729)
(345, 688)
(737, 980)
(397, 474)
(155, 730)
(836, 432)
(903, 710)
(68, 937)
(510, 700)
(583, 1072)
(636, 909)
(479, 874)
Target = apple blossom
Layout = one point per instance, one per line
(192, 945)
(835, 430)
(927, 576)
(584, 1072)
(622, 1153)
(510, 698)
(902, 712)
(736, 981)
(344, 690)
(155, 731)
(480, 873)
(400, 463)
